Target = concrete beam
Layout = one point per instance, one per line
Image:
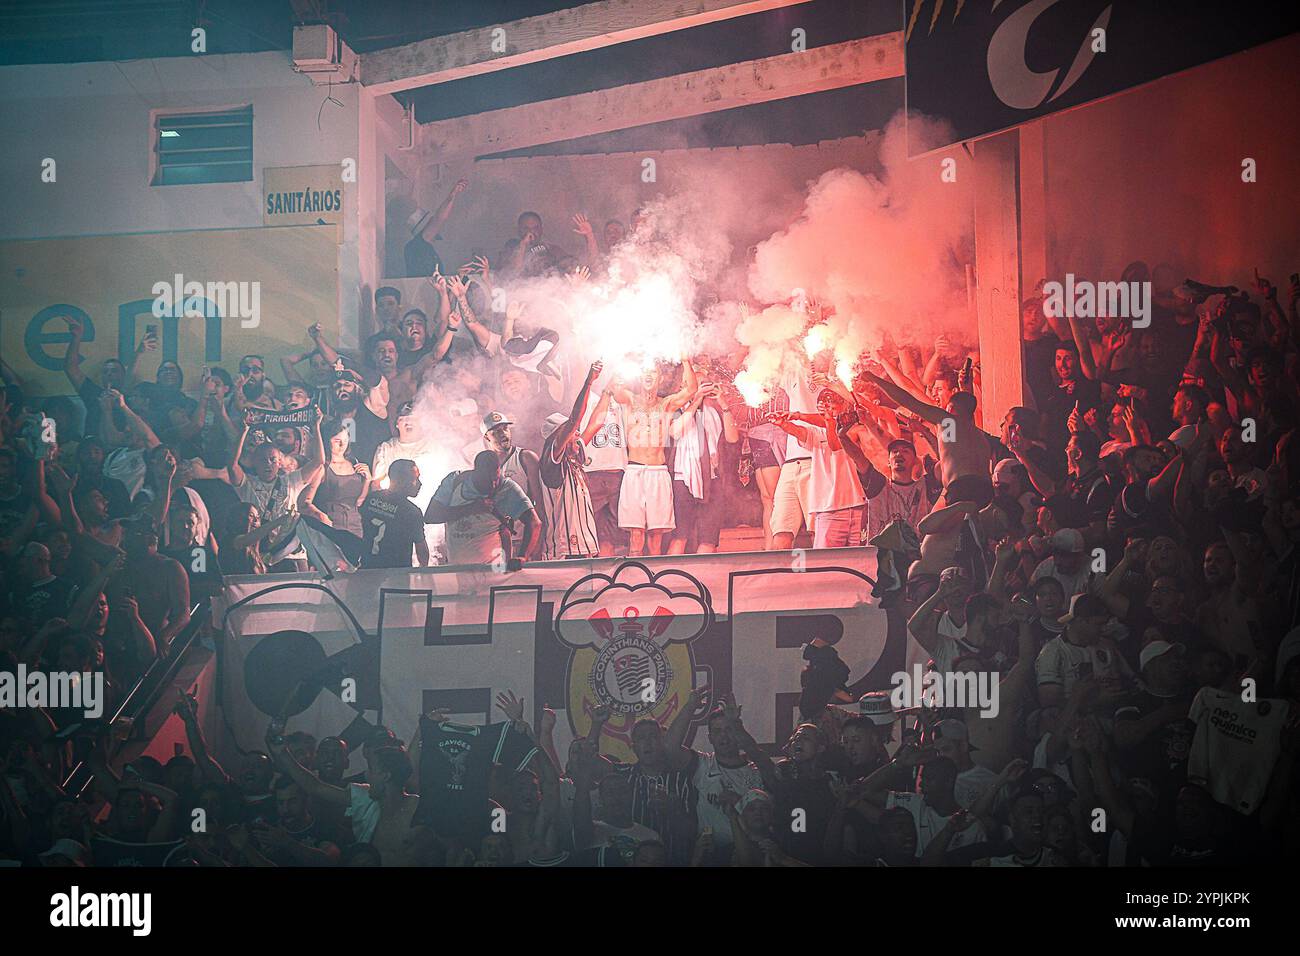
(590, 26)
(675, 97)
(997, 269)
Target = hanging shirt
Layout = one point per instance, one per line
(1235, 746)
(456, 762)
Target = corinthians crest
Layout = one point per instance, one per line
(630, 636)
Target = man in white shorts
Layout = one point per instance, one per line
(791, 499)
(645, 499)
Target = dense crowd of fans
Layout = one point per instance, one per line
(1120, 552)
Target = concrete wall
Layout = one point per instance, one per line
(1155, 174)
(768, 182)
(95, 120)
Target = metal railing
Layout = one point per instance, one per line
(142, 696)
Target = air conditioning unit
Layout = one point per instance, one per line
(319, 53)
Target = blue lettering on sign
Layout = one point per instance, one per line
(36, 338)
(128, 314)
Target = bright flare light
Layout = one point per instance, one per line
(844, 372)
(751, 390)
(815, 340)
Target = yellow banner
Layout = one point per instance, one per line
(213, 296)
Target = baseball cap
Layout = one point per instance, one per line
(1084, 605)
(417, 220)
(951, 730)
(553, 421)
(1067, 540)
(1156, 649)
(405, 409)
(492, 419)
(348, 375)
(877, 707)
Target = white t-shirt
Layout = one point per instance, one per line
(1235, 747)
(929, 822)
(607, 450)
(951, 643)
(711, 778)
(127, 466)
(476, 539)
(971, 784)
(833, 480)
(394, 450)
(1060, 662)
(274, 499)
(802, 399)
(1077, 583)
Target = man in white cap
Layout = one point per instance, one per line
(1153, 735)
(518, 464)
(568, 521)
(421, 258)
(1067, 563)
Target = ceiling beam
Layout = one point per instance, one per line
(816, 70)
(590, 26)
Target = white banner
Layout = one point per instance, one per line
(637, 636)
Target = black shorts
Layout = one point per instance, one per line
(603, 486)
(764, 456)
(698, 522)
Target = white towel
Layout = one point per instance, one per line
(701, 428)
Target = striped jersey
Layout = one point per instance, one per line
(570, 521)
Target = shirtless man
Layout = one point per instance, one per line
(381, 809)
(645, 501)
(965, 461)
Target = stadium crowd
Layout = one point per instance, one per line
(1120, 552)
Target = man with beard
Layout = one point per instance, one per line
(298, 837)
(252, 388)
(1230, 615)
(1143, 502)
(366, 408)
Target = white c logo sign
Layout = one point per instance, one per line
(1014, 83)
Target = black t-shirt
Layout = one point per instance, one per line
(40, 602)
(408, 357)
(371, 431)
(456, 763)
(1162, 757)
(1040, 359)
(421, 258)
(1057, 406)
(391, 526)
